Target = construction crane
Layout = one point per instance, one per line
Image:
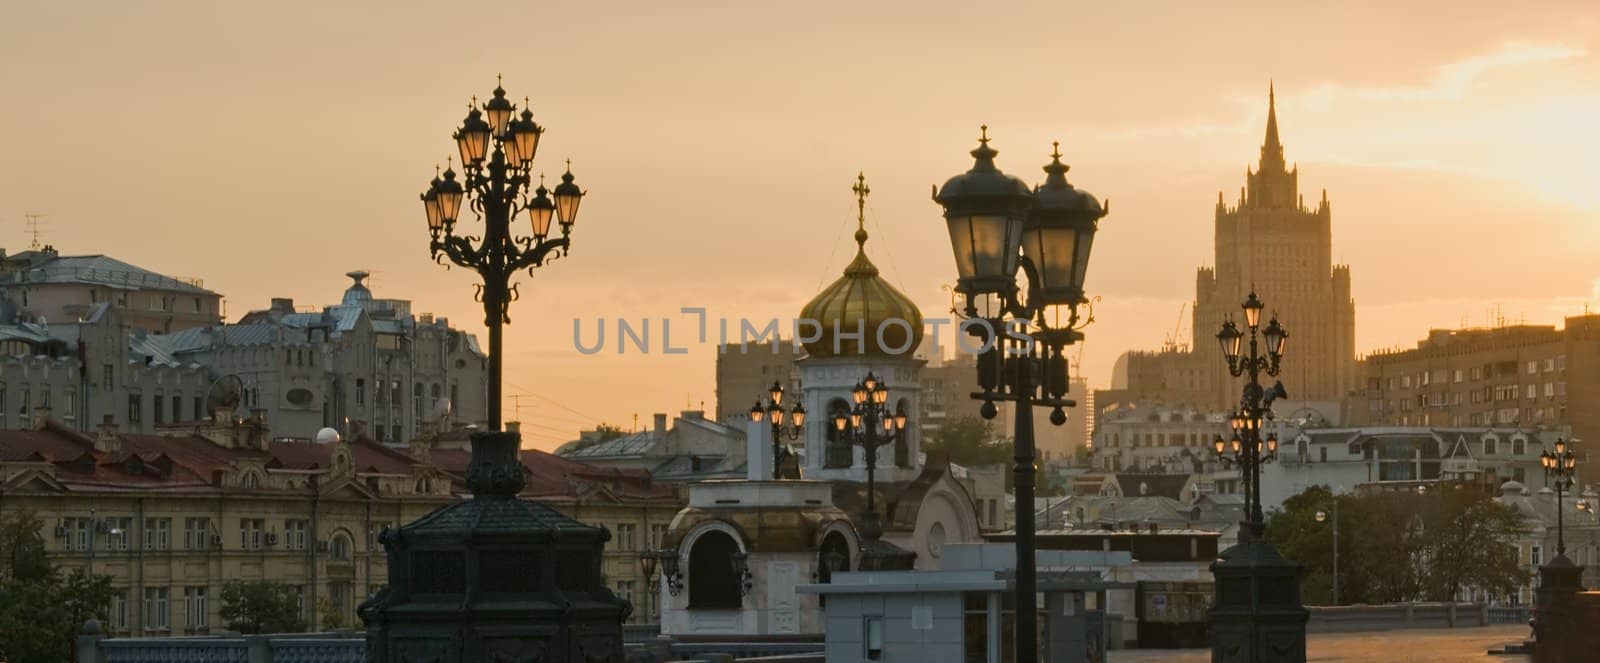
(1177, 328)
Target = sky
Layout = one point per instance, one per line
(268, 148)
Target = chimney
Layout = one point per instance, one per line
(661, 434)
(106, 439)
(41, 416)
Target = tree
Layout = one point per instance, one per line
(41, 609)
(330, 616)
(22, 547)
(970, 441)
(261, 606)
(1464, 541)
(1397, 547)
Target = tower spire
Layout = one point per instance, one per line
(1271, 148)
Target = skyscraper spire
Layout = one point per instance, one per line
(1271, 149)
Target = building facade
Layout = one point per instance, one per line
(1518, 375)
(47, 286)
(170, 518)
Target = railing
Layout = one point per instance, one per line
(108, 276)
(277, 648)
(1512, 614)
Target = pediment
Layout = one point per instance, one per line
(347, 489)
(34, 481)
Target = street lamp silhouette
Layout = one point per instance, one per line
(999, 225)
(775, 414)
(497, 154)
(871, 424)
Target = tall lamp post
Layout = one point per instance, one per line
(497, 153)
(998, 225)
(1559, 578)
(1255, 404)
(1258, 617)
(1559, 466)
(1323, 516)
(871, 424)
(775, 414)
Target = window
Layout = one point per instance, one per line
(194, 607)
(394, 393)
(1458, 375)
(340, 595)
(157, 533)
(117, 613)
(1518, 475)
(1561, 362)
(1550, 365)
(199, 409)
(135, 408)
(872, 637)
(250, 530)
(340, 547)
(156, 609)
(196, 533)
(23, 403)
(196, 305)
(712, 584)
(625, 590)
(294, 534)
(1489, 447)
(361, 391)
(1323, 452)
(625, 535)
(157, 407)
(1533, 367)
(1536, 554)
(118, 532)
(177, 409)
(1519, 446)
(79, 533)
(1533, 391)
(657, 533)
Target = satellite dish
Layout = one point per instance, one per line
(327, 436)
(227, 392)
(441, 409)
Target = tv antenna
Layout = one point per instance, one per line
(33, 227)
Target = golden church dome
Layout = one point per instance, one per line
(861, 300)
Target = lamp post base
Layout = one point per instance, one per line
(1257, 616)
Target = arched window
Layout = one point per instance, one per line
(832, 555)
(902, 444)
(339, 548)
(712, 585)
(838, 452)
(250, 481)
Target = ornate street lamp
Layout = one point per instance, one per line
(1559, 467)
(523, 562)
(999, 225)
(741, 570)
(670, 574)
(784, 424)
(1255, 404)
(497, 156)
(1258, 591)
(871, 423)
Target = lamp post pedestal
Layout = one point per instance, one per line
(1257, 617)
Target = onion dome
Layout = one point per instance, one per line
(863, 301)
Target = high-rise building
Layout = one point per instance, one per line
(1271, 243)
(1529, 376)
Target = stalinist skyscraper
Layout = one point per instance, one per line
(1270, 241)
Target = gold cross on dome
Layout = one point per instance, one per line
(862, 191)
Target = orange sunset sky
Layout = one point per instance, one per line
(270, 147)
